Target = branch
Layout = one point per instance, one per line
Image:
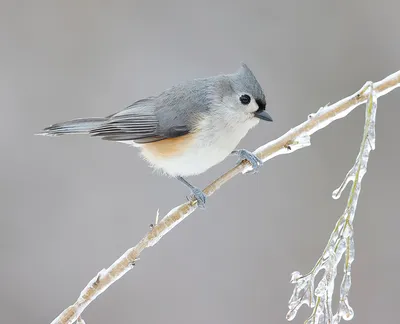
(293, 140)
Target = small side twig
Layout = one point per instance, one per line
(341, 242)
(80, 321)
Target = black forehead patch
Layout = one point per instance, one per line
(261, 104)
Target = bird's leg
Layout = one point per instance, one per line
(255, 162)
(196, 192)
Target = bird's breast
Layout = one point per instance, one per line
(196, 152)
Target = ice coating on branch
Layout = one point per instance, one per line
(349, 177)
(80, 320)
(291, 146)
(312, 115)
(360, 167)
(341, 242)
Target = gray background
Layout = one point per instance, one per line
(70, 206)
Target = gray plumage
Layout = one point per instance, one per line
(166, 115)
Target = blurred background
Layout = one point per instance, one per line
(71, 206)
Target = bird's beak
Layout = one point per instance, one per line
(262, 114)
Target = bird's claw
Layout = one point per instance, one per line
(255, 162)
(199, 196)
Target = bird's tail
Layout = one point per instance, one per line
(76, 126)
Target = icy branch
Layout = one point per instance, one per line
(293, 140)
(340, 243)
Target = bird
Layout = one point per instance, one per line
(186, 129)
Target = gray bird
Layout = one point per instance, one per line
(186, 129)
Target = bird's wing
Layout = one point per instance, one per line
(173, 113)
(141, 122)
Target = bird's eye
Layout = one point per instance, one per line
(245, 99)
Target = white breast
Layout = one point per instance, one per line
(210, 145)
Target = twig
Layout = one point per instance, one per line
(80, 320)
(341, 242)
(293, 140)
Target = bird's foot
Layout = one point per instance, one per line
(199, 196)
(255, 162)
